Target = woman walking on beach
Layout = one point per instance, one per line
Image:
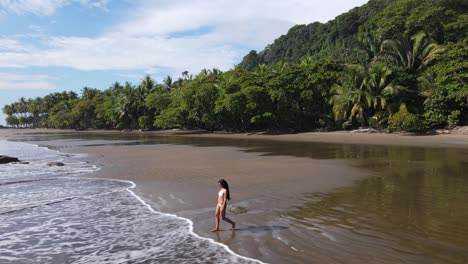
(223, 197)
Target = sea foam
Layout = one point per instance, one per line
(62, 215)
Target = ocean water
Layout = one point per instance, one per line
(64, 215)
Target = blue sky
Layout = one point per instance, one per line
(56, 45)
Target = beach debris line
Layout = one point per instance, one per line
(7, 159)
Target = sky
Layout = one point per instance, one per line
(55, 45)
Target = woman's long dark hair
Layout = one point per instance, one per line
(225, 185)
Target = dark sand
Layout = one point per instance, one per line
(457, 137)
(182, 179)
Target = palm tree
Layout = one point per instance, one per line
(89, 93)
(279, 67)
(126, 106)
(426, 84)
(8, 110)
(307, 61)
(35, 108)
(412, 53)
(179, 83)
(22, 106)
(261, 69)
(204, 72)
(15, 108)
(216, 72)
(110, 109)
(363, 93)
(371, 44)
(147, 86)
(71, 95)
(382, 91)
(167, 83)
(185, 75)
(348, 100)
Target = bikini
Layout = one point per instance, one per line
(220, 194)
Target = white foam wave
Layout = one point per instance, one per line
(54, 216)
(190, 223)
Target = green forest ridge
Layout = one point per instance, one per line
(389, 64)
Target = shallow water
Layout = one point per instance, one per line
(57, 215)
(412, 208)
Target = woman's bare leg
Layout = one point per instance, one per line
(228, 220)
(217, 213)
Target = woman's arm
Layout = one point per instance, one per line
(224, 197)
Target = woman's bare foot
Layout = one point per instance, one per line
(215, 230)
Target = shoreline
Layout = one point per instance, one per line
(180, 179)
(190, 223)
(262, 184)
(457, 138)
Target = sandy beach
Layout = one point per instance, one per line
(182, 180)
(447, 138)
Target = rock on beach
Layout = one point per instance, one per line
(7, 159)
(236, 209)
(55, 163)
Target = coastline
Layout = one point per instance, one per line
(455, 138)
(190, 223)
(180, 180)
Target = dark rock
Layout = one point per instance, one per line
(55, 163)
(7, 159)
(236, 209)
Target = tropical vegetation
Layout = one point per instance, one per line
(389, 64)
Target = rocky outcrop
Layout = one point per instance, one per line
(7, 159)
(55, 163)
(236, 209)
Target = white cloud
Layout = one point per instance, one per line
(11, 45)
(102, 4)
(36, 7)
(46, 7)
(123, 53)
(10, 81)
(145, 40)
(161, 16)
(37, 29)
(129, 76)
(151, 70)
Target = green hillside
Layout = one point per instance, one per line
(442, 20)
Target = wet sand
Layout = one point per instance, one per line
(455, 138)
(182, 179)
